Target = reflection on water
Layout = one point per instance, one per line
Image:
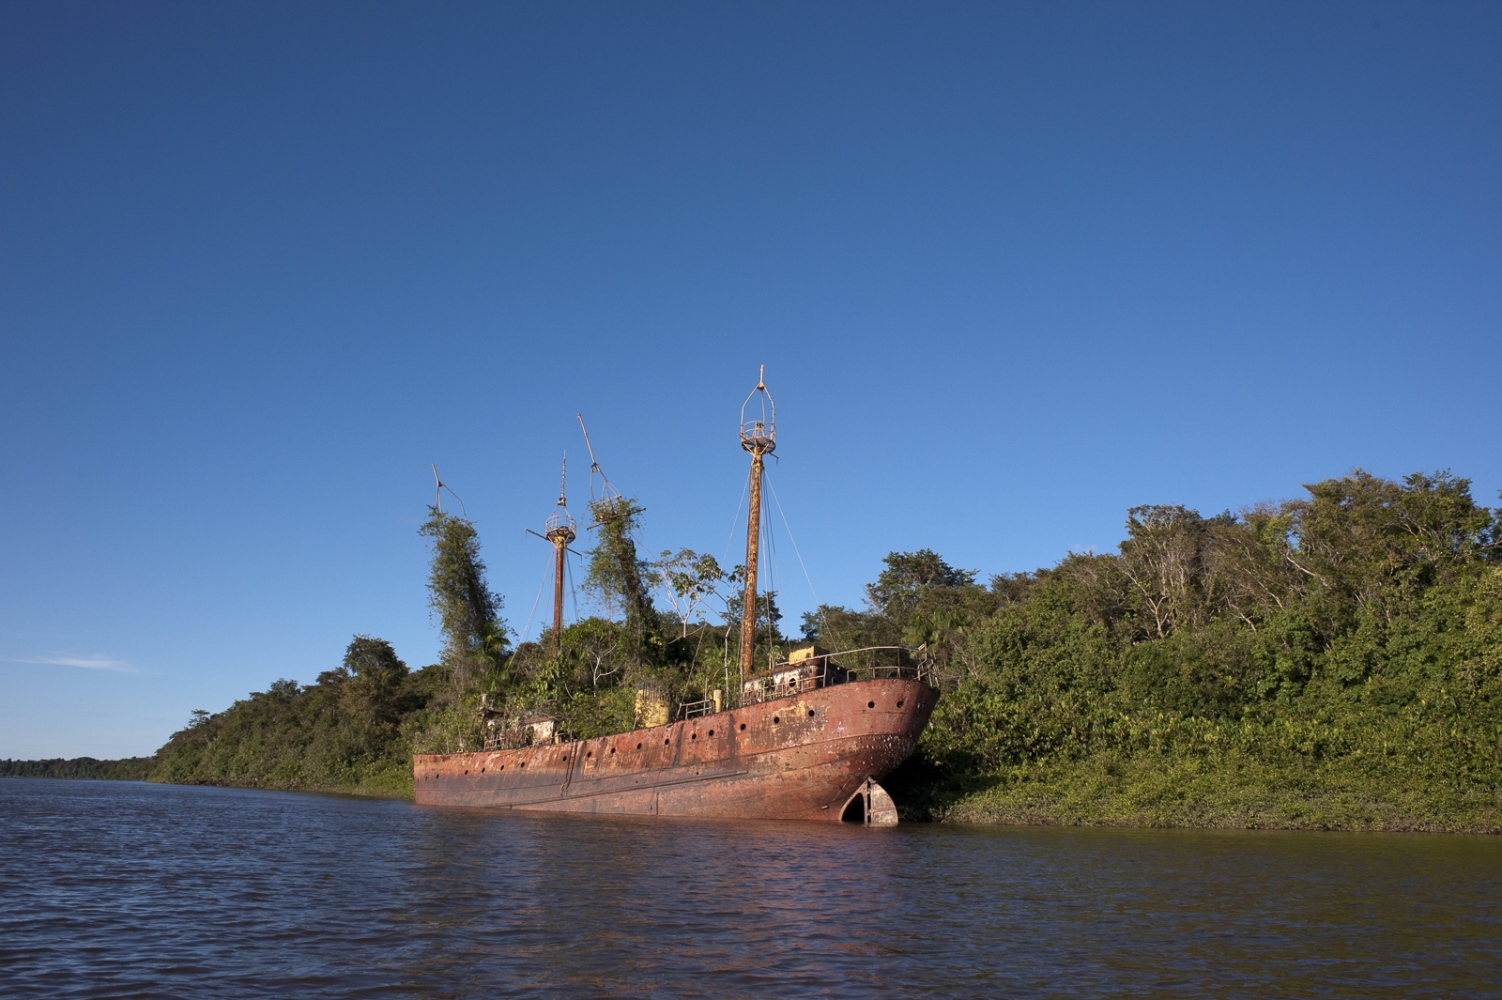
(116, 889)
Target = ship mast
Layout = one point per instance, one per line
(759, 437)
(560, 531)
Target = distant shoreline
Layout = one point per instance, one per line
(83, 768)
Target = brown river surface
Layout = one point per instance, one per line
(121, 889)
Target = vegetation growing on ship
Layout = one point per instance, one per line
(475, 639)
(618, 578)
(1331, 661)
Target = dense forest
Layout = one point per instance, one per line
(127, 769)
(1333, 661)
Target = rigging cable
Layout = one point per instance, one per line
(789, 528)
(546, 573)
(773, 576)
(736, 520)
(439, 487)
(568, 572)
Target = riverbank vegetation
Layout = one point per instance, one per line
(125, 769)
(1333, 661)
(349, 731)
(1328, 662)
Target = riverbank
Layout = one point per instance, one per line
(1125, 793)
(381, 785)
(87, 768)
(1246, 795)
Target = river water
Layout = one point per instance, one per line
(123, 889)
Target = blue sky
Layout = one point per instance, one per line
(1011, 268)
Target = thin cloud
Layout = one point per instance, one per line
(86, 662)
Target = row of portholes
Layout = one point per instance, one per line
(668, 741)
(776, 721)
(435, 777)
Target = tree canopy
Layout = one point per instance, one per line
(1332, 660)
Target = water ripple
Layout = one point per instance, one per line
(113, 889)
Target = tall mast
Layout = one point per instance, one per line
(759, 437)
(560, 531)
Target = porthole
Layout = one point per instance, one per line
(524, 763)
(694, 736)
(870, 704)
(667, 741)
(501, 768)
(899, 704)
(590, 754)
(776, 719)
(810, 713)
(711, 732)
(612, 750)
(482, 770)
(638, 746)
(743, 727)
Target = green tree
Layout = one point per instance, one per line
(376, 673)
(1166, 557)
(595, 646)
(689, 581)
(909, 576)
(767, 630)
(1367, 541)
(619, 577)
(469, 612)
(925, 601)
(835, 627)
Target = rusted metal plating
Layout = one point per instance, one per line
(808, 756)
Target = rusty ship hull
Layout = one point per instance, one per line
(807, 756)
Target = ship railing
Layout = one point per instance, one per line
(785, 680)
(694, 709)
(872, 662)
(868, 663)
(515, 733)
(512, 741)
(502, 741)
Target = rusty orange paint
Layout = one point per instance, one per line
(800, 757)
